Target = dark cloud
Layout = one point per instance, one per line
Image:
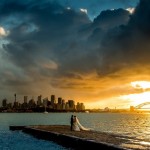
(127, 45)
(124, 46)
(140, 20)
(49, 42)
(40, 32)
(112, 18)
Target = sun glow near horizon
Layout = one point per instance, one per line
(141, 84)
(138, 98)
(138, 92)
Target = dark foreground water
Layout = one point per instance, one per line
(134, 127)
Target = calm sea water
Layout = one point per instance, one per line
(134, 127)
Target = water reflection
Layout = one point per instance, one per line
(134, 127)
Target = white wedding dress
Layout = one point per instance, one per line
(77, 126)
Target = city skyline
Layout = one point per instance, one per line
(20, 98)
(37, 104)
(94, 51)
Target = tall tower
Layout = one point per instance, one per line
(15, 102)
(15, 97)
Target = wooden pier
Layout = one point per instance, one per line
(77, 140)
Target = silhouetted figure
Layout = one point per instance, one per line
(71, 122)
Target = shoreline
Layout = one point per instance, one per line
(77, 140)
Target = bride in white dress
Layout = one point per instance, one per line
(77, 125)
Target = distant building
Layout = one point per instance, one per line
(67, 106)
(80, 107)
(71, 104)
(59, 104)
(4, 103)
(45, 101)
(16, 105)
(39, 100)
(106, 109)
(25, 103)
(49, 104)
(31, 103)
(9, 105)
(63, 105)
(59, 100)
(26, 99)
(131, 108)
(53, 101)
(19, 105)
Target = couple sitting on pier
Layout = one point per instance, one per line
(75, 124)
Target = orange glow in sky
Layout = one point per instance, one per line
(141, 84)
(122, 96)
(136, 99)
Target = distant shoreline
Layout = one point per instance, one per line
(56, 111)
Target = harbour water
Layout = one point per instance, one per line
(134, 127)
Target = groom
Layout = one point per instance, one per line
(71, 122)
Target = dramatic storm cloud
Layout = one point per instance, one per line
(129, 44)
(47, 47)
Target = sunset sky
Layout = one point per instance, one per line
(91, 51)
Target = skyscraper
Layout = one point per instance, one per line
(59, 100)
(25, 99)
(25, 104)
(4, 102)
(45, 101)
(71, 104)
(39, 100)
(53, 101)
